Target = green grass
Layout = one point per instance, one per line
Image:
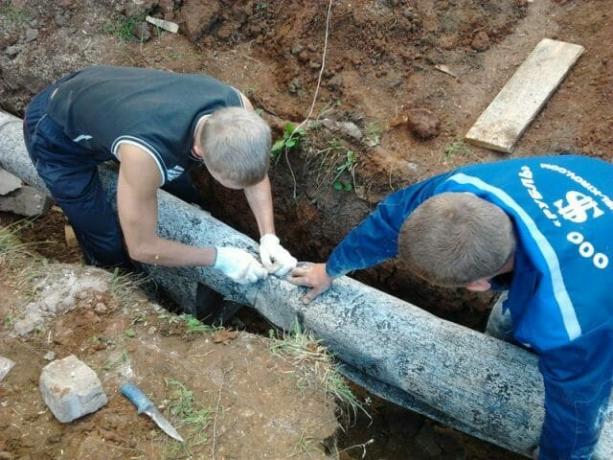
(11, 246)
(193, 421)
(291, 140)
(194, 326)
(124, 283)
(457, 148)
(347, 166)
(372, 133)
(14, 15)
(123, 26)
(315, 365)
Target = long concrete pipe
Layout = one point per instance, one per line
(472, 382)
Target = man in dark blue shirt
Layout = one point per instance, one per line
(542, 227)
(156, 124)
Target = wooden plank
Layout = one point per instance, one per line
(521, 99)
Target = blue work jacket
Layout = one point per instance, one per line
(561, 295)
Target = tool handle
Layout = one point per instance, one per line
(136, 397)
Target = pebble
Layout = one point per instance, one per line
(49, 356)
(481, 41)
(100, 308)
(13, 51)
(60, 20)
(31, 34)
(5, 367)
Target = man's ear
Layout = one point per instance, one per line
(480, 285)
(198, 151)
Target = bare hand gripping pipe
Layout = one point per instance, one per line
(472, 382)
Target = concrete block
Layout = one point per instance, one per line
(5, 367)
(71, 389)
(8, 182)
(27, 201)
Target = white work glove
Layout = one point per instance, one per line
(275, 258)
(239, 265)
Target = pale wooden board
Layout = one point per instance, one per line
(521, 99)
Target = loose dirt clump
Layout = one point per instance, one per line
(423, 123)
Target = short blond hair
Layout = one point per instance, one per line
(453, 239)
(236, 145)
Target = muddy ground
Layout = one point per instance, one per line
(381, 66)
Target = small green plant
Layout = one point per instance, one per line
(14, 15)
(457, 148)
(373, 133)
(130, 333)
(113, 363)
(291, 140)
(194, 326)
(123, 28)
(8, 320)
(348, 166)
(194, 420)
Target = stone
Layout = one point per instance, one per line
(31, 34)
(5, 367)
(60, 20)
(346, 127)
(12, 51)
(71, 389)
(27, 201)
(26, 325)
(100, 308)
(423, 123)
(481, 41)
(8, 182)
(49, 356)
(350, 129)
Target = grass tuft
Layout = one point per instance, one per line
(11, 247)
(192, 420)
(315, 364)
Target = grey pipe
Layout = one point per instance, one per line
(472, 382)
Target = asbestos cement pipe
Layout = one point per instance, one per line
(477, 384)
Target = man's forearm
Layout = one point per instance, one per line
(259, 197)
(168, 253)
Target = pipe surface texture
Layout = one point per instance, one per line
(475, 383)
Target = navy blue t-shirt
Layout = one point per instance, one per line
(102, 107)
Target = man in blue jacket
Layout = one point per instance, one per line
(539, 227)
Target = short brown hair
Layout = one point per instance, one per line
(236, 145)
(453, 239)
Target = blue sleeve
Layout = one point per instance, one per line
(376, 238)
(577, 381)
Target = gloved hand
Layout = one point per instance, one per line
(275, 258)
(239, 265)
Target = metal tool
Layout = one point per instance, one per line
(144, 405)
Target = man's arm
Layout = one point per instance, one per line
(259, 197)
(371, 242)
(274, 257)
(578, 380)
(137, 186)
